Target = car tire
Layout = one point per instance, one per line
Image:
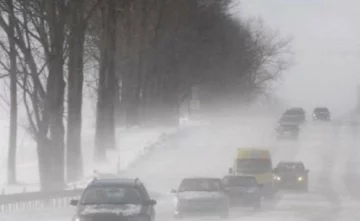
(306, 189)
(178, 216)
(224, 215)
(257, 205)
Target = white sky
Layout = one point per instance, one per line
(326, 45)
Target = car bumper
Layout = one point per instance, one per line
(291, 185)
(244, 200)
(200, 209)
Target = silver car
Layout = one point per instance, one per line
(201, 196)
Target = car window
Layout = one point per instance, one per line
(200, 185)
(111, 195)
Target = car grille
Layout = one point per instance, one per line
(105, 217)
(200, 205)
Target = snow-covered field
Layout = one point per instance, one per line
(330, 152)
(131, 144)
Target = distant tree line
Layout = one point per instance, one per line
(149, 55)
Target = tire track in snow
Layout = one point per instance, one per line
(325, 184)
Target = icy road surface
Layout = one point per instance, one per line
(330, 151)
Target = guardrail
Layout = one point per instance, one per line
(38, 200)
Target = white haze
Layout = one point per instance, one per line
(326, 44)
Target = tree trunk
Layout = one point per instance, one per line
(75, 89)
(13, 100)
(52, 124)
(105, 119)
(44, 162)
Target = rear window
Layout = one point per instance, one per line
(201, 185)
(111, 195)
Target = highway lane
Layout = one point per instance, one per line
(328, 150)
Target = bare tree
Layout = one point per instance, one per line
(43, 22)
(8, 7)
(105, 118)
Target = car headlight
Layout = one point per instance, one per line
(76, 218)
(277, 178)
(300, 178)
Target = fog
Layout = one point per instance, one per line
(326, 44)
(326, 72)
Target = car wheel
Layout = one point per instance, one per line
(257, 204)
(178, 216)
(306, 189)
(224, 215)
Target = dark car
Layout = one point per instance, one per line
(291, 175)
(321, 114)
(243, 191)
(201, 196)
(294, 115)
(114, 199)
(287, 131)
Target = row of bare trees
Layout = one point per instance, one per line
(149, 55)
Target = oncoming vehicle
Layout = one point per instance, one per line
(114, 199)
(294, 115)
(321, 113)
(291, 175)
(256, 163)
(243, 191)
(287, 131)
(201, 196)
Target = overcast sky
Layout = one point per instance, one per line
(326, 45)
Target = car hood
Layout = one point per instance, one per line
(242, 189)
(123, 210)
(199, 195)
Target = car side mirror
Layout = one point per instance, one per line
(230, 171)
(173, 191)
(150, 202)
(74, 202)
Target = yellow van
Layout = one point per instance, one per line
(257, 163)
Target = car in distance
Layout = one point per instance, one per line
(243, 191)
(294, 115)
(291, 175)
(201, 196)
(321, 114)
(287, 131)
(114, 199)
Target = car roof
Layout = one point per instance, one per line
(115, 182)
(242, 176)
(295, 109)
(290, 162)
(321, 109)
(201, 178)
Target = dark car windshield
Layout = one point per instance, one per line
(111, 195)
(212, 185)
(233, 181)
(288, 167)
(253, 165)
(321, 110)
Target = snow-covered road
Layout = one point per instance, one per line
(330, 151)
